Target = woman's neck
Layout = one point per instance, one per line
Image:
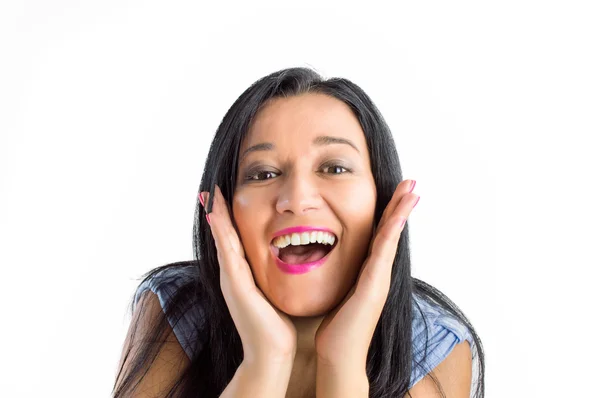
(303, 380)
(306, 328)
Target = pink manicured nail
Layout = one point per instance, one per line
(418, 197)
(402, 222)
(201, 200)
(208, 219)
(412, 186)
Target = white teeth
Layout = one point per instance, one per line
(304, 238)
(295, 239)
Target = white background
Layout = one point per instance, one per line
(107, 110)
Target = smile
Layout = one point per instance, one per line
(299, 250)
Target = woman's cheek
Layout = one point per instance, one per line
(244, 220)
(242, 205)
(356, 199)
(251, 216)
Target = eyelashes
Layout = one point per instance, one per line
(254, 175)
(338, 166)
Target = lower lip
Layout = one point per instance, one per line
(303, 268)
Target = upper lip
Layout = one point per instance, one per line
(301, 228)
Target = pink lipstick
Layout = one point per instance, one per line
(298, 268)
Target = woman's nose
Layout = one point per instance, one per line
(298, 195)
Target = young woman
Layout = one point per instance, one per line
(301, 284)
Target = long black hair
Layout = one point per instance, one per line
(390, 355)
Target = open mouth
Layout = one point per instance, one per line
(294, 252)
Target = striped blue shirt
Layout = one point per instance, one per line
(442, 331)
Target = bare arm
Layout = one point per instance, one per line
(453, 374)
(170, 362)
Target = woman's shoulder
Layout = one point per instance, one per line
(167, 280)
(435, 333)
(188, 320)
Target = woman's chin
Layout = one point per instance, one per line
(304, 307)
(305, 312)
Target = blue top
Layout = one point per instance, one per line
(443, 331)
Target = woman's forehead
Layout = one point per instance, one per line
(301, 120)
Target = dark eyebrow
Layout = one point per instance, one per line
(328, 140)
(265, 146)
(321, 140)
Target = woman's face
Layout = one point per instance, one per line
(291, 175)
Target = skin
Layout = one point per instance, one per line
(296, 330)
(296, 189)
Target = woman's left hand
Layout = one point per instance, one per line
(343, 338)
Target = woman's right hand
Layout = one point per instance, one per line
(268, 335)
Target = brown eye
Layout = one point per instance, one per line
(256, 176)
(335, 169)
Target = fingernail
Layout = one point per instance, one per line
(412, 186)
(208, 219)
(201, 199)
(418, 197)
(402, 222)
